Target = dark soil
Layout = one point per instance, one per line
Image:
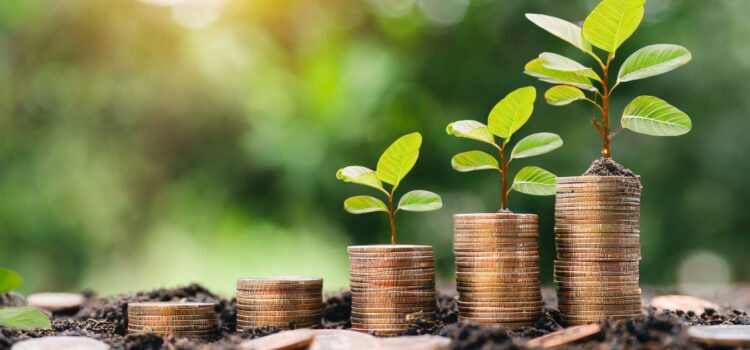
(105, 319)
(608, 167)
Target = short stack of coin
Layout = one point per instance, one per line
(282, 302)
(597, 234)
(179, 319)
(391, 285)
(497, 268)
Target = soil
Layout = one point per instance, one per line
(608, 167)
(105, 319)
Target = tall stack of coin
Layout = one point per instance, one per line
(179, 319)
(282, 302)
(497, 268)
(597, 229)
(390, 285)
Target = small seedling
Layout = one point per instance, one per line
(509, 115)
(392, 167)
(606, 28)
(19, 317)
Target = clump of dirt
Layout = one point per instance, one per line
(337, 310)
(471, 335)
(12, 299)
(608, 167)
(101, 330)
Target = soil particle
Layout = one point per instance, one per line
(337, 310)
(12, 299)
(608, 167)
(471, 335)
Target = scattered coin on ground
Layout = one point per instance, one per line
(564, 336)
(60, 342)
(723, 335)
(682, 302)
(56, 301)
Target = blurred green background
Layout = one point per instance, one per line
(155, 143)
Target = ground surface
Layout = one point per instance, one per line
(105, 319)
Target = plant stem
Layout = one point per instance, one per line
(391, 214)
(604, 128)
(504, 173)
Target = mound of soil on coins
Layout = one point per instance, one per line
(608, 167)
(104, 318)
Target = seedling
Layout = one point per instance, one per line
(509, 115)
(19, 317)
(392, 167)
(606, 28)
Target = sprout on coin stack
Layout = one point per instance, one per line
(390, 284)
(178, 319)
(497, 258)
(598, 217)
(281, 302)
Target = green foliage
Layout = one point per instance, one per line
(653, 60)
(653, 116)
(9, 280)
(23, 318)
(399, 158)
(562, 29)
(17, 317)
(534, 180)
(364, 204)
(395, 163)
(607, 27)
(535, 68)
(512, 112)
(474, 160)
(561, 95)
(561, 63)
(509, 115)
(536, 144)
(420, 200)
(612, 22)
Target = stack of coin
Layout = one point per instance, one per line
(497, 268)
(597, 234)
(282, 302)
(391, 285)
(179, 319)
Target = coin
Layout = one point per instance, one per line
(563, 336)
(721, 335)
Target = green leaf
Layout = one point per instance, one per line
(562, 63)
(536, 144)
(471, 129)
(562, 29)
(612, 22)
(419, 200)
(399, 158)
(653, 116)
(474, 160)
(535, 69)
(360, 175)
(512, 112)
(23, 318)
(364, 204)
(561, 95)
(535, 181)
(653, 60)
(9, 280)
